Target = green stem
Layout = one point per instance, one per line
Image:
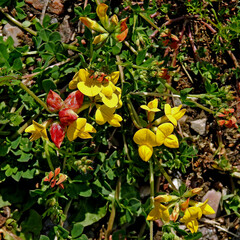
(16, 22)
(151, 180)
(133, 114)
(32, 94)
(71, 47)
(45, 142)
(164, 173)
(150, 22)
(171, 88)
(113, 210)
(66, 209)
(130, 47)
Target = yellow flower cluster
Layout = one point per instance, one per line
(100, 87)
(163, 203)
(147, 139)
(110, 27)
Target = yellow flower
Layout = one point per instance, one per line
(37, 130)
(147, 140)
(193, 213)
(190, 218)
(88, 84)
(159, 212)
(174, 114)
(92, 24)
(111, 27)
(105, 114)
(205, 208)
(164, 136)
(80, 128)
(152, 107)
(93, 84)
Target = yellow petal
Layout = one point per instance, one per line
(90, 88)
(154, 214)
(100, 117)
(73, 83)
(114, 20)
(107, 90)
(167, 109)
(83, 75)
(153, 104)
(192, 225)
(101, 12)
(74, 128)
(30, 129)
(100, 38)
(176, 109)
(165, 198)
(145, 152)
(166, 128)
(145, 137)
(114, 121)
(89, 128)
(111, 101)
(92, 24)
(114, 77)
(171, 141)
(145, 107)
(178, 115)
(84, 135)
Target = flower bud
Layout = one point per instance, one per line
(185, 205)
(57, 132)
(74, 100)
(54, 101)
(192, 192)
(67, 116)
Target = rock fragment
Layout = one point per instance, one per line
(199, 125)
(14, 32)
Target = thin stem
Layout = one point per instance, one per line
(32, 94)
(130, 47)
(164, 173)
(16, 22)
(133, 114)
(66, 209)
(48, 155)
(151, 181)
(113, 211)
(150, 22)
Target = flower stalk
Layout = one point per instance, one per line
(151, 181)
(32, 94)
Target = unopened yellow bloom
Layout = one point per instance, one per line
(105, 114)
(173, 114)
(147, 140)
(164, 136)
(152, 107)
(37, 130)
(92, 24)
(159, 212)
(80, 128)
(165, 198)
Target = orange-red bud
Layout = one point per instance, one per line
(54, 101)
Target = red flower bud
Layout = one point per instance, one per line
(221, 122)
(54, 101)
(67, 116)
(57, 132)
(74, 100)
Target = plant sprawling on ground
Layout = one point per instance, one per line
(95, 129)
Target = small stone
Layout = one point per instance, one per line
(37, 4)
(199, 125)
(55, 6)
(14, 32)
(65, 30)
(214, 198)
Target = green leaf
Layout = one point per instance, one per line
(4, 149)
(25, 157)
(29, 174)
(140, 57)
(43, 237)
(3, 203)
(184, 93)
(26, 24)
(46, 20)
(77, 230)
(3, 52)
(117, 48)
(48, 85)
(15, 143)
(44, 34)
(33, 223)
(54, 37)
